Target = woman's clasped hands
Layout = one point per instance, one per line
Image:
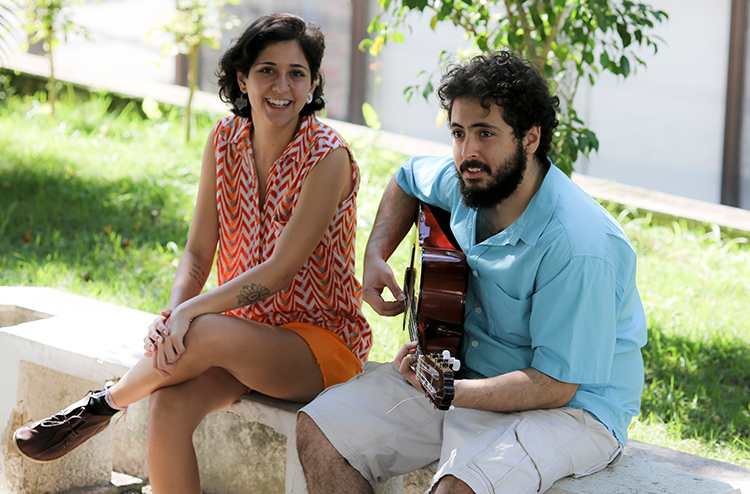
(164, 341)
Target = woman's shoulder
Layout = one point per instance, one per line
(324, 135)
(230, 127)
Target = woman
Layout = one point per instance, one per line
(277, 195)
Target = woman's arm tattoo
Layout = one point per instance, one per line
(252, 293)
(197, 273)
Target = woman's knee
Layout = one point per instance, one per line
(172, 406)
(204, 337)
(203, 328)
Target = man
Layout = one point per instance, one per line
(553, 326)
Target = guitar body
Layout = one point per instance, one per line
(440, 291)
(436, 295)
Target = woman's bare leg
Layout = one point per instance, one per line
(224, 357)
(271, 360)
(174, 414)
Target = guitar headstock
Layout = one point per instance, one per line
(435, 375)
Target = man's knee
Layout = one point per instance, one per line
(452, 485)
(310, 437)
(324, 467)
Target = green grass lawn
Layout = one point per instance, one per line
(97, 200)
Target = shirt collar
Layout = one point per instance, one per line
(532, 222)
(538, 213)
(300, 145)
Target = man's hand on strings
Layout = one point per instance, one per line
(406, 360)
(377, 277)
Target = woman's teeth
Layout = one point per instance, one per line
(279, 102)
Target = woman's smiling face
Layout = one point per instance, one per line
(277, 84)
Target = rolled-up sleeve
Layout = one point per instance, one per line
(431, 180)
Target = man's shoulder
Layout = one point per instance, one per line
(587, 227)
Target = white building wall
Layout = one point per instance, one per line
(398, 65)
(662, 128)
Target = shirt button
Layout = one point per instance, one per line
(475, 273)
(475, 343)
(478, 310)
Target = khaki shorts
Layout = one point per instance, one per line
(384, 427)
(337, 363)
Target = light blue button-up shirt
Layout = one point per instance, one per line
(554, 291)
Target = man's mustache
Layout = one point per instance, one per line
(466, 164)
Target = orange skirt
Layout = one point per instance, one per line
(337, 363)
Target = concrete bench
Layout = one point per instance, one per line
(281, 416)
(631, 476)
(55, 346)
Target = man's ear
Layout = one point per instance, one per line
(242, 81)
(531, 139)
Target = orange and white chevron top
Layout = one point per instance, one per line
(325, 292)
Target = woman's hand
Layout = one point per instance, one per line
(172, 346)
(154, 337)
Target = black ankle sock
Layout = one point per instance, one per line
(98, 405)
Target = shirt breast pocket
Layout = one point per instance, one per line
(507, 317)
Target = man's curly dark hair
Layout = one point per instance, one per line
(513, 84)
(262, 33)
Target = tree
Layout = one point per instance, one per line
(45, 21)
(195, 23)
(566, 40)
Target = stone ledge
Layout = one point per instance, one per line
(735, 475)
(74, 319)
(633, 475)
(120, 484)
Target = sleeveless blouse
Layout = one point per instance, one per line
(325, 292)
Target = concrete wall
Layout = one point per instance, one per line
(663, 128)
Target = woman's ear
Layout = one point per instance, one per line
(314, 84)
(242, 81)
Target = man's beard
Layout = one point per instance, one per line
(503, 183)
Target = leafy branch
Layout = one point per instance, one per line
(566, 40)
(46, 21)
(193, 24)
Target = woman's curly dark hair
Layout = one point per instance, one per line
(513, 84)
(262, 33)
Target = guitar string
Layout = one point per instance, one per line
(402, 402)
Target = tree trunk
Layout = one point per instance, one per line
(192, 83)
(51, 82)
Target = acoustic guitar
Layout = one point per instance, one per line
(435, 287)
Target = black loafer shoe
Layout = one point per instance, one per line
(58, 435)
